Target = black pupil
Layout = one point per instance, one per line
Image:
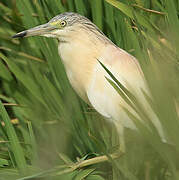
(63, 23)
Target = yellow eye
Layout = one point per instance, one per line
(63, 23)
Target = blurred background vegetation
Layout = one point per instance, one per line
(47, 132)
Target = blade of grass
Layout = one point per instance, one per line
(97, 12)
(14, 142)
(127, 10)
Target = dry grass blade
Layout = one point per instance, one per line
(23, 54)
(148, 10)
(91, 161)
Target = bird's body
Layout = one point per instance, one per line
(89, 80)
(88, 77)
(81, 46)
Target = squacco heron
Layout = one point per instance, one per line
(81, 46)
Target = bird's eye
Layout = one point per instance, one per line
(63, 23)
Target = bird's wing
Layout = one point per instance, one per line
(101, 94)
(124, 66)
(104, 97)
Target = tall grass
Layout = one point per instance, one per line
(48, 132)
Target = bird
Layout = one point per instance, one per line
(81, 47)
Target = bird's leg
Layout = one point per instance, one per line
(120, 131)
(122, 147)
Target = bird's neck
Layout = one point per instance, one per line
(79, 56)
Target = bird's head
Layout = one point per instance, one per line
(61, 27)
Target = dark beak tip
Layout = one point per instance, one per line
(20, 35)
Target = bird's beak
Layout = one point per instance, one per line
(36, 31)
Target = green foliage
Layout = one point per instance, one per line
(46, 131)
